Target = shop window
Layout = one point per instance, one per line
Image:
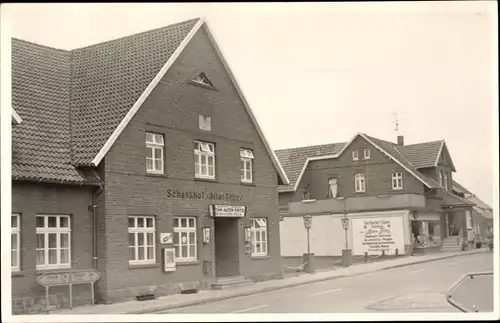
(15, 246)
(367, 154)
(204, 160)
(355, 154)
(185, 239)
(397, 180)
(259, 237)
(359, 183)
(141, 240)
(154, 153)
(246, 161)
(53, 241)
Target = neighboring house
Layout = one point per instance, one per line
(482, 213)
(389, 193)
(138, 157)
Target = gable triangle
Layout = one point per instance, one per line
(203, 79)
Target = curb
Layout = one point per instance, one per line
(220, 298)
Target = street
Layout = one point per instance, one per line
(417, 288)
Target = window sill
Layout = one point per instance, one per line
(201, 179)
(40, 271)
(187, 263)
(155, 175)
(248, 183)
(261, 257)
(141, 266)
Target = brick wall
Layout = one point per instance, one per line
(30, 199)
(172, 110)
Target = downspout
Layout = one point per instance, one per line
(98, 191)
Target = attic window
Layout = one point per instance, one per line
(203, 80)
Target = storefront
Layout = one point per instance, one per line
(426, 229)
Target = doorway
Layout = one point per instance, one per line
(227, 255)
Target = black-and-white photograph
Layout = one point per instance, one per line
(249, 161)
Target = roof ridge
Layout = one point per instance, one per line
(40, 45)
(134, 35)
(311, 146)
(421, 143)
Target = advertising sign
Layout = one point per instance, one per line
(166, 237)
(227, 211)
(374, 235)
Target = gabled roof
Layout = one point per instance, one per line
(87, 96)
(452, 200)
(472, 197)
(295, 160)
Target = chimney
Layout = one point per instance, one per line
(401, 140)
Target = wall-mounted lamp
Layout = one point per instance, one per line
(206, 234)
(248, 235)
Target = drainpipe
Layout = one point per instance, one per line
(94, 224)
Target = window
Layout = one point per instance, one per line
(204, 122)
(397, 181)
(154, 153)
(359, 182)
(441, 178)
(53, 241)
(204, 160)
(367, 153)
(141, 240)
(332, 182)
(259, 237)
(446, 181)
(185, 239)
(355, 154)
(247, 157)
(15, 245)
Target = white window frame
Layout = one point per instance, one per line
(16, 232)
(204, 122)
(441, 178)
(260, 231)
(359, 183)
(157, 142)
(246, 157)
(206, 149)
(355, 154)
(333, 183)
(188, 230)
(144, 230)
(397, 180)
(367, 153)
(445, 180)
(58, 231)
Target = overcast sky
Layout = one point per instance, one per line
(319, 73)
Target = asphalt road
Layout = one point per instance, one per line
(417, 288)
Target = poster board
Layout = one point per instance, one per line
(377, 234)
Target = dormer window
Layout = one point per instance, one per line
(202, 79)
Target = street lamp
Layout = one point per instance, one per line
(346, 253)
(308, 258)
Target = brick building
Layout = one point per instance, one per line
(402, 191)
(138, 157)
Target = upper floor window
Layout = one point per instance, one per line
(359, 183)
(441, 178)
(446, 181)
(154, 153)
(246, 161)
(204, 159)
(204, 122)
(355, 154)
(259, 236)
(397, 180)
(53, 241)
(332, 183)
(141, 240)
(367, 153)
(185, 238)
(15, 248)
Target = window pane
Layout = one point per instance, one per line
(149, 137)
(191, 223)
(13, 258)
(64, 240)
(131, 255)
(242, 165)
(13, 241)
(203, 160)
(183, 223)
(149, 164)
(184, 253)
(176, 222)
(264, 247)
(52, 222)
(151, 253)
(264, 236)
(242, 174)
(158, 153)
(184, 238)
(150, 239)
(40, 257)
(210, 160)
(176, 238)
(131, 239)
(149, 222)
(140, 239)
(52, 257)
(52, 240)
(131, 222)
(249, 175)
(13, 221)
(141, 254)
(191, 251)
(158, 164)
(159, 139)
(176, 248)
(191, 238)
(140, 222)
(40, 221)
(211, 171)
(40, 241)
(64, 256)
(64, 221)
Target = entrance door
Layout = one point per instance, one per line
(227, 257)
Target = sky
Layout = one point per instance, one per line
(317, 73)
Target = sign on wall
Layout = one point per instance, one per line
(374, 235)
(169, 259)
(227, 211)
(166, 237)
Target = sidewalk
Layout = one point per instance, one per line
(206, 296)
